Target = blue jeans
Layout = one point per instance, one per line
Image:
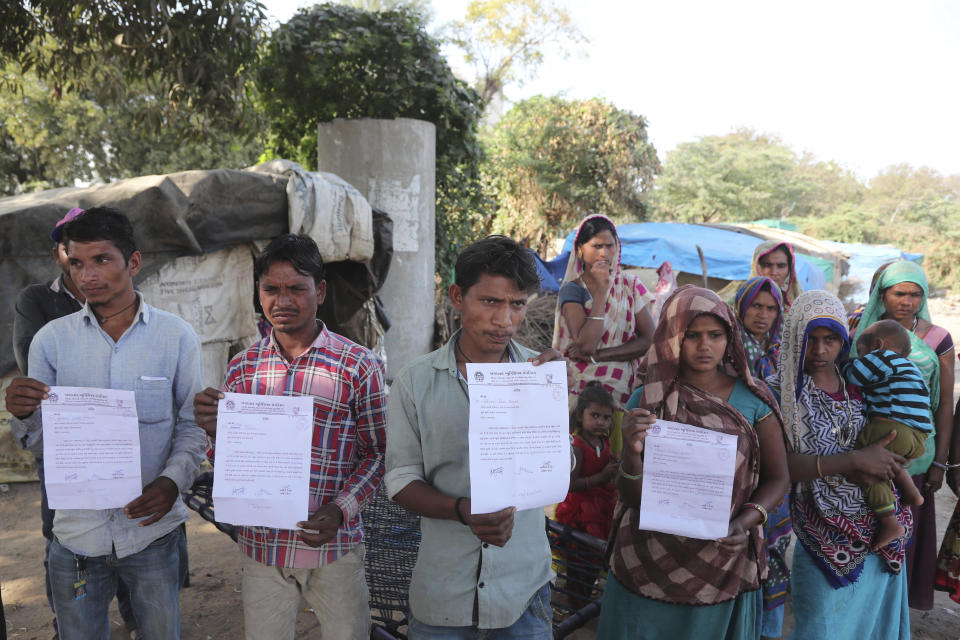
(536, 623)
(46, 519)
(152, 575)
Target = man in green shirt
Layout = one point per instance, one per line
(474, 571)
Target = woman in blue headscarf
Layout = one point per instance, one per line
(759, 307)
(841, 588)
(900, 294)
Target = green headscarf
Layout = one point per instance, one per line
(921, 354)
(895, 273)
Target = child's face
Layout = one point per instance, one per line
(596, 420)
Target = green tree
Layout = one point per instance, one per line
(551, 161)
(907, 194)
(333, 61)
(421, 7)
(737, 177)
(829, 186)
(46, 141)
(504, 39)
(199, 52)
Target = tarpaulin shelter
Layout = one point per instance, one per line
(727, 253)
(198, 232)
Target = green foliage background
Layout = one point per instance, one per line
(745, 176)
(551, 161)
(96, 91)
(334, 61)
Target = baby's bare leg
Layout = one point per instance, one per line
(888, 530)
(908, 491)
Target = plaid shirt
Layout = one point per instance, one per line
(349, 415)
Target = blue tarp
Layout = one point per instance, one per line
(867, 258)
(727, 253)
(549, 278)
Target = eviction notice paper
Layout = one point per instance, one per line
(519, 435)
(687, 480)
(261, 470)
(91, 448)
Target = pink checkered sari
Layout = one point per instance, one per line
(627, 298)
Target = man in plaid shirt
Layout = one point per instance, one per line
(323, 562)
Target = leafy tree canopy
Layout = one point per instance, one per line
(198, 52)
(741, 176)
(421, 7)
(334, 61)
(551, 161)
(47, 142)
(504, 39)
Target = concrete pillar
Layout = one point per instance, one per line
(393, 164)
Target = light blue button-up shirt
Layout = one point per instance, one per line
(158, 358)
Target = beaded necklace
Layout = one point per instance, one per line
(842, 433)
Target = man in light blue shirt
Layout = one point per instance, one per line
(117, 341)
(477, 575)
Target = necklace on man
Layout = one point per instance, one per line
(114, 315)
(466, 359)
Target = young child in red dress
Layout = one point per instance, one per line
(592, 497)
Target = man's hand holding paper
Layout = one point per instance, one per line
(91, 447)
(519, 435)
(261, 473)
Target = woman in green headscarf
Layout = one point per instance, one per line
(901, 295)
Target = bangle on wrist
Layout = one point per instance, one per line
(759, 507)
(596, 318)
(630, 476)
(819, 469)
(456, 508)
(945, 467)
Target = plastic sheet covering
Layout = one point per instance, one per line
(864, 260)
(727, 253)
(213, 292)
(327, 209)
(188, 213)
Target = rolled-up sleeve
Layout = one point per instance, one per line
(189, 443)
(404, 449)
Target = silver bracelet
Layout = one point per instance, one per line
(946, 467)
(596, 318)
(593, 360)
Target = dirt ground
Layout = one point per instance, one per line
(211, 607)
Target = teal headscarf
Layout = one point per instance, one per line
(920, 352)
(895, 273)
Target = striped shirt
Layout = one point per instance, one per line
(349, 418)
(892, 388)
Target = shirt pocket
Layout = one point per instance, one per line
(154, 397)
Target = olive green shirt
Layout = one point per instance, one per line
(427, 427)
